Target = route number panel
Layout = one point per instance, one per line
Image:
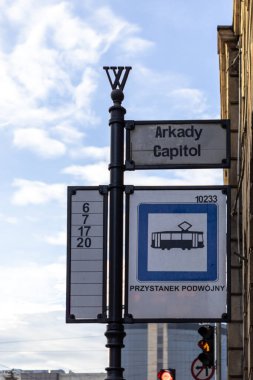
(86, 251)
(177, 254)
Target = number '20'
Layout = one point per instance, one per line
(84, 242)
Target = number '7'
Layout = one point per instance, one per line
(85, 217)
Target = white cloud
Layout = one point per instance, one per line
(97, 174)
(83, 93)
(48, 70)
(164, 95)
(8, 219)
(191, 101)
(68, 134)
(136, 45)
(45, 341)
(38, 141)
(21, 290)
(32, 322)
(92, 153)
(197, 177)
(153, 88)
(37, 192)
(93, 174)
(59, 238)
(19, 10)
(115, 29)
(190, 177)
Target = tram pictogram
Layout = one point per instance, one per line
(182, 238)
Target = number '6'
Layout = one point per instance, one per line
(86, 207)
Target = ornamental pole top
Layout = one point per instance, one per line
(118, 71)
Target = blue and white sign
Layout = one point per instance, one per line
(177, 253)
(158, 248)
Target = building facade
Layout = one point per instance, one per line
(235, 49)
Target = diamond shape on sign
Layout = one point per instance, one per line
(185, 226)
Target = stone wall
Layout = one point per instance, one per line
(236, 79)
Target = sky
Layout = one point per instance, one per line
(54, 101)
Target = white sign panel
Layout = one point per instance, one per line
(177, 253)
(86, 254)
(177, 144)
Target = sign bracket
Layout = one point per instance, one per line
(129, 189)
(129, 126)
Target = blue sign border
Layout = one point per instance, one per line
(211, 210)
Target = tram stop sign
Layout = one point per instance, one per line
(177, 254)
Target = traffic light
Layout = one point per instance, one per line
(167, 374)
(207, 345)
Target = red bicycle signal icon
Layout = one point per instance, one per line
(200, 372)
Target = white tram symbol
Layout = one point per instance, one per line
(183, 239)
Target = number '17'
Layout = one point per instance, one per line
(84, 230)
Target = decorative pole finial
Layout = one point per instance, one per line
(117, 71)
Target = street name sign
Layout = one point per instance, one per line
(177, 144)
(86, 254)
(177, 254)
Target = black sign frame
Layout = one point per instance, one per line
(101, 317)
(130, 125)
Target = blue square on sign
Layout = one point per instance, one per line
(183, 239)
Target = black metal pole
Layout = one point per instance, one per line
(115, 328)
